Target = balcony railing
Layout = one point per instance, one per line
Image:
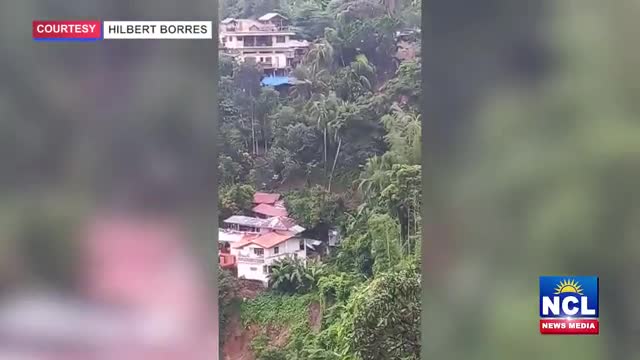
(250, 260)
(299, 253)
(247, 44)
(260, 29)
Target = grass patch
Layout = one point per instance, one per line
(271, 308)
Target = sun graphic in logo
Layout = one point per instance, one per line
(568, 286)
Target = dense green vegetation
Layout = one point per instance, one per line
(343, 145)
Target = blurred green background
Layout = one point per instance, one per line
(534, 144)
(86, 127)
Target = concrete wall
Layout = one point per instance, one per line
(254, 269)
(252, 272)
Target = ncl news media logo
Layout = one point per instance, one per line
(569, 305)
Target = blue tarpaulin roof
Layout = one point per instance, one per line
(276, 80)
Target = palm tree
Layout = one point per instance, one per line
(308, 82)
(375, 175)
(341, 121)
(404, 134)
(320, 56)
(320, 111)
(324, 109)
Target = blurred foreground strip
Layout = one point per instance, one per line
(140, 297)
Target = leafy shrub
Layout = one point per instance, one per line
(386, 316)
(337, 287)
(235, 199)
(314, 207)
(270, 308)
(273, 354)
(291, 275)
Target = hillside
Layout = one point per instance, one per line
(342, 144)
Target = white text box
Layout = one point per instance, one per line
(158, 30)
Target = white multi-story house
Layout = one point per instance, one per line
(256, 254)
(256, 243)
(251, 245)
(267, 40)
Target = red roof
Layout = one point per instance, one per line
(270, 210)
(267, 240)
(265, 198)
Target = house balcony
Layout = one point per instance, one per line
(250, 260)
(265, 28)
(242, 47)
(257, 44)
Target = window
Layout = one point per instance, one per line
(265, 269)
(302, 244)
(239, 38)
(258, 251)
(276, 250)
(280, 39)
(253, 268)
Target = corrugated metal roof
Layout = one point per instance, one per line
(277, 81)
(280, 223)
(245, 220)
(269, 16)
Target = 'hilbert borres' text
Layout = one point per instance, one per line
(157, 29)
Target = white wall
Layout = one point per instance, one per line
(279, 61)
(287, 248)
(252, 272)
